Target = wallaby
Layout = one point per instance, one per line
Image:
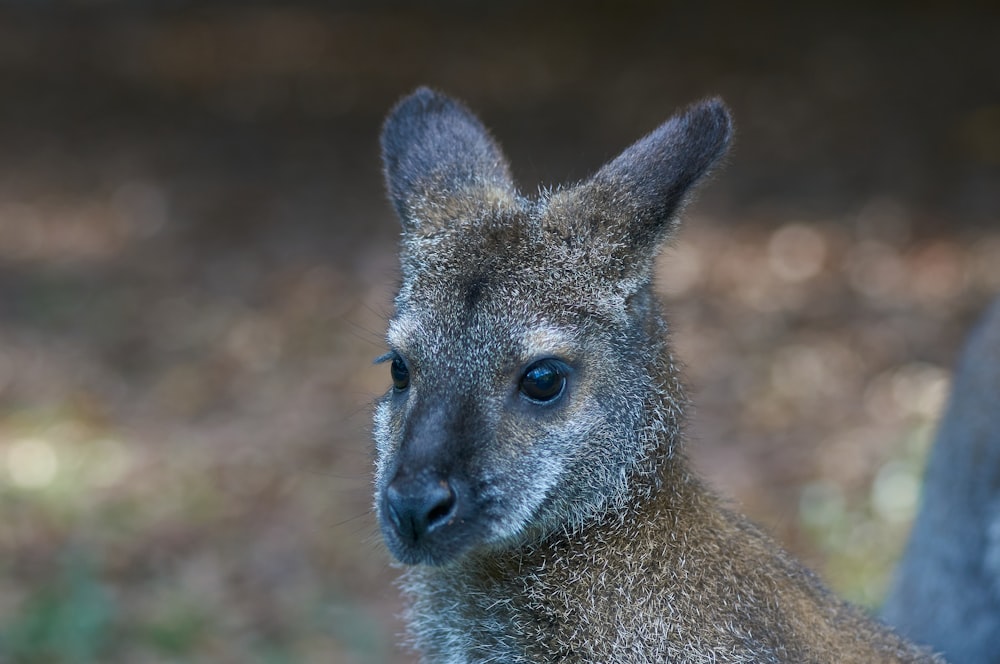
(947, 587)
(530, 466)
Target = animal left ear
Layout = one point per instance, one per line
(634, 200)
(440, 162)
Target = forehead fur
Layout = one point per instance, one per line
(533, 253)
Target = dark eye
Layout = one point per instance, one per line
(400, 374)
(543, 381)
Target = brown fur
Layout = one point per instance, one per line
(675, 579)
(566, 529)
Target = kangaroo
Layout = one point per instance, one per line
(947, 587)
(530, 467)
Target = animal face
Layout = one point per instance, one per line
(526, 354)
(509, 391)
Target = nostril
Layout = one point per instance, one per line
(415, 508)
(445, 501)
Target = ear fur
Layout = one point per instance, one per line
(635, 199)
(439, 161)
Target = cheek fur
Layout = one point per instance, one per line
(531, 472)
(385, 439)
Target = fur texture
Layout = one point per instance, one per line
(947, 588)
(565, 528)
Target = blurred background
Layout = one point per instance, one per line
(196, 262)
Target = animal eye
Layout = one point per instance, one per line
(400, 374)
(543, 381)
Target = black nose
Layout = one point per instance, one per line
(418, 506)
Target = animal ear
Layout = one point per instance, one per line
(634, 200)
(439, 160)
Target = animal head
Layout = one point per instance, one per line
(531, 379)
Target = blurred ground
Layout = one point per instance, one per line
(196, 261)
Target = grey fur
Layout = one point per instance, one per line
(569, 530)
(947, 587)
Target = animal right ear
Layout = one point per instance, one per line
(439, 160)
(632, 202)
